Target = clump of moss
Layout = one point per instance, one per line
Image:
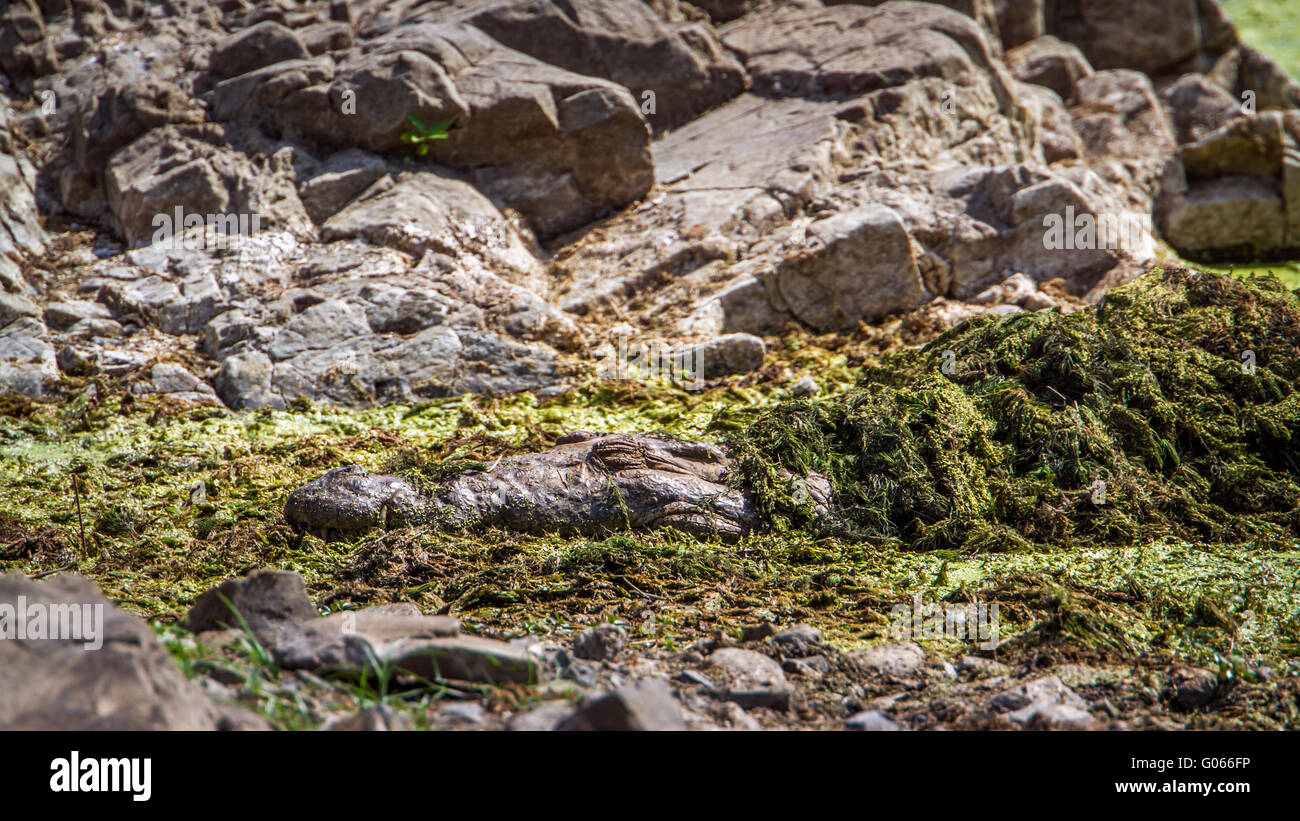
(1169, 408)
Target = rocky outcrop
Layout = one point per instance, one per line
(27, 359)
(1235, 193)
(675, 71)
(363, 202)
(871, 198)
(562, 148)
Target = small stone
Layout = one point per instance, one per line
(354, 638)
(896, 659)
(264, 599)
(798, 639)
(173, 380)
(371, 719)
(1047, 690)
(77, 361)
(646, 705)
(1060, 715)
(542, 718)
(736, 716)
(1038, 301)
(1193, 688)
(467, 713)
(871, 721)
(601, 643)
(819, 663)
(978, 667)
(14, 306)
(805, 387)
(92, 328)
(752, 679)
(695, 677)
(798, 667)
(219, 673)
(466, 658)
(581, 673)
(756, 632)
(723, 356)
(63, 315)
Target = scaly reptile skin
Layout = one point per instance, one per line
(588, 484)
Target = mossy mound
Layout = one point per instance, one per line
(1169, 408)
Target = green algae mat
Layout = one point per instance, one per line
(1169, 409)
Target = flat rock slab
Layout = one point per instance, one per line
(646, 705)
(466, 658)
(354, 639)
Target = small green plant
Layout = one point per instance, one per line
(249, 644)
(420, 137)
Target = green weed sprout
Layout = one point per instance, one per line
(422, 135)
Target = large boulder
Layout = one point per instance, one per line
(1237, 217)
(1019, 21)
(1127, 134)
(26, 51)
(104, 104)
(1235, 192)
(439, 328)
(1157, 37)
(1252, 76)
(419, 212)
(1046, 61)
(255, 47)
(190, 171)
(1199, 106)
(984, 12)
(562, 148)
(27, 360)
(21, 233)
(1056, 133)
(113, 676)
(682, 65)
(853, 50)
